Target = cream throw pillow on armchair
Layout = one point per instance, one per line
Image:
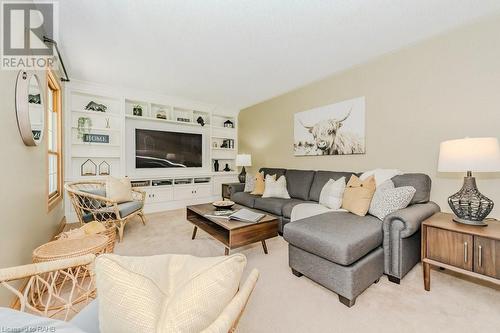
(119, 190)
(164, 293)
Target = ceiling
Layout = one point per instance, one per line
(238, 53)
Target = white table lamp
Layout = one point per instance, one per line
(470, 155)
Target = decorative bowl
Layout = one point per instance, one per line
(223, 204)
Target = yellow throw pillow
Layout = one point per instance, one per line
(119, 190)
(260, 184)
(358, 195)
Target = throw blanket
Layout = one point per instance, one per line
(304, 210)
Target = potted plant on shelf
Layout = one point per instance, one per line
(84, 126)
(137, 110)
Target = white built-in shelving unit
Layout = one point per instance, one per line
(178, 187)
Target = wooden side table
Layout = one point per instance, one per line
(226, 190)
(471, 250)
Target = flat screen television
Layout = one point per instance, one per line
(160, 149)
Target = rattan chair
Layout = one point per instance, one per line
(90, 203)
(54, 289)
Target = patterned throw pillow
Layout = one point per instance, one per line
(388, 199)
(250, 182)
(275, 188)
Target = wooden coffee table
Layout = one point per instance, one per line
(232, 234)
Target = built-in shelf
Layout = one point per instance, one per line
(129, 116)
(101, 129)
(90, 155)
(224, 128)
(97, 113)
(97, 144)
(117, 121)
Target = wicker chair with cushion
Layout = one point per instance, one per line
(91, 204)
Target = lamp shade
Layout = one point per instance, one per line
(244, 160)
(469, 154)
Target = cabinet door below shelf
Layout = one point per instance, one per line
(449, 247)
(487, 256)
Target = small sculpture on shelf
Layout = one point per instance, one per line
(104, 169)
(88, 168)
(227, 167)
(229, 124)
(34, 99)
(200, 121)
(161, 114)
(137, 110)
(93, 106)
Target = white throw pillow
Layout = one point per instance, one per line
(164, 293)
(249, 183)
(275, 188)
(119, 190)
(332, 193)
(388, 199)
(381, 175)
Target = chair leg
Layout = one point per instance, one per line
(143, 218)
(121, 227)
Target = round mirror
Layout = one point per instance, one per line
(29, 108)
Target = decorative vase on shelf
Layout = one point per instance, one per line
(227, 167)
(216, 165)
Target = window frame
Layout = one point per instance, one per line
(53, 87)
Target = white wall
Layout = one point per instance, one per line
(444, 88)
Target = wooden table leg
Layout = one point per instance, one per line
(264, 246)
(226, 251)
(194, 232)
(427, 276)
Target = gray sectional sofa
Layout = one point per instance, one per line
(344, 252)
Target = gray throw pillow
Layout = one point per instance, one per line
(388, 199)
(249, 183)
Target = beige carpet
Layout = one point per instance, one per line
(282, 302)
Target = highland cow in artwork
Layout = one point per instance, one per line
(336, 129)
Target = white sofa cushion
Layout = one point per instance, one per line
(381, 175)
(332, 193)
(164, 293)
(275, 188)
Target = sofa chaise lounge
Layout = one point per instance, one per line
(344, 252)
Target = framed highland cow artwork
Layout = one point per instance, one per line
(335, 129)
